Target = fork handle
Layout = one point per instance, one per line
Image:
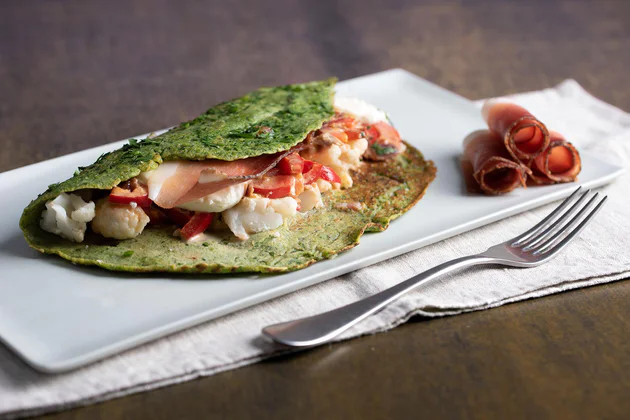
(318, 329)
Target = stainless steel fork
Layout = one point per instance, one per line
(534, 247)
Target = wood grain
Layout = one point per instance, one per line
(77, 74)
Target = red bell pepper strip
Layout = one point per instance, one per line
(140, 196)
(196, 225)
(291, 164)
(277, 186)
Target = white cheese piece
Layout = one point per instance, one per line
(155, 179)
(218, 201)
(360, 109)
(67, 216)
(212, 203)
(118, 221)
(254, 215)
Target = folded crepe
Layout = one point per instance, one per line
(270, 182)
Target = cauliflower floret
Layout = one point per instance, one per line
(118, 221)
(311, 198)
(67, 216)
(352, 154)
(254, 215)
(324, 185)
(360, 109)
(341, 157)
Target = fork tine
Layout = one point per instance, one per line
(560, 245)
(537, 238)
(572, 221)
(546, 221)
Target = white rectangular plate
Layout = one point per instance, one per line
(58, 316)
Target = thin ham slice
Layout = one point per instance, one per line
(488, 166)
(560, 162)
(524, 135)
(185, 181)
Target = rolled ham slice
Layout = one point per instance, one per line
(525, 137)
(488, 166)
(560, 162)
(177, 182)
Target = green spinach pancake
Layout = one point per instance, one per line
(270, 182)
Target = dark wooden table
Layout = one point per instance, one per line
(76, 74)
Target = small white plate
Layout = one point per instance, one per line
(58, 316)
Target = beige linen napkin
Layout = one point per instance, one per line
(599, 255)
